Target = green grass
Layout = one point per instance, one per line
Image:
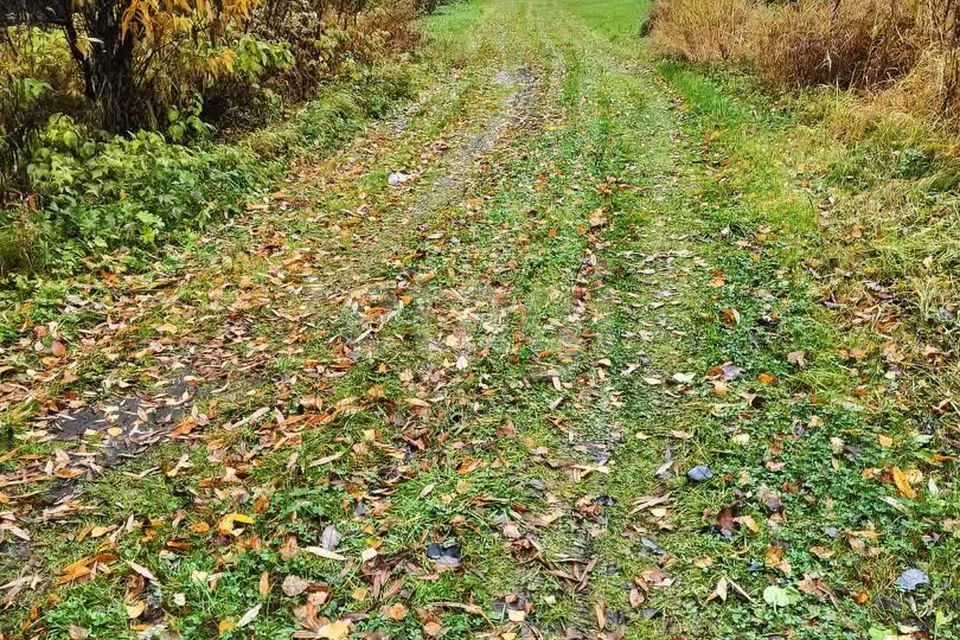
(511, 404)
(752, 191)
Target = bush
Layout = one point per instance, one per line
(107, 110)
(37, 78)
(329, 38)
(129, 192)
(124, 195)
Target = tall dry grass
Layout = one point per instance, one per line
(907, 49)
(702, 31)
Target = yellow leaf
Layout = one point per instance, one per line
(903, 485)
(333, 631)
(748, 522)
(225, 525)
(600, 611)
(224, 626)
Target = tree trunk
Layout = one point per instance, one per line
(108, 68)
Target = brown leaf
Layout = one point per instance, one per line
(773, 555)
(821, 552)
(396, 611)
(732, 316)
(600, 610)
(289, 548)
(815, 587)
(339, 630)
(469, 466)
(726, 520)
(798, 359)
(294, 585)
(143, 571)
(748, 522)
(720, 591)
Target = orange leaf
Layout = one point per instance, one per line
(468, 467)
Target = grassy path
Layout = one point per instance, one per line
(519, 363)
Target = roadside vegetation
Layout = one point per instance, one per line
(127, 123)
(829, 131)
(905, 52)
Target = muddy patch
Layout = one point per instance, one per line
(516, 109)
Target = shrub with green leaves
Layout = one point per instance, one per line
(130, 192)
(102, 193)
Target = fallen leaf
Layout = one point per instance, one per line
(903, 484)
(294, 585)
(732, 316)
(469, 467)
(78, 633)
(911, 579)
(135, 610)
(225, 525)
(600, 610)
(700, 473)
(330, 539)
(748, 522)
(143, 571)
(798, 359)
(326, 460)
(516, 615)
(333, 631)
(720, 591)
(396, 611)
(323, 553)
(249, 616)
(444, 555)
(780, 597)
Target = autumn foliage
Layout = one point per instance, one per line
(178, 66)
